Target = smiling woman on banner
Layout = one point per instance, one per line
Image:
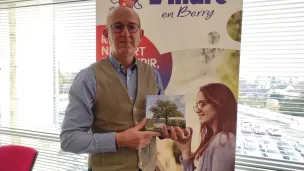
(216, 108)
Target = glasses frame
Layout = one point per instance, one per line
(199, 105)
(124, 25)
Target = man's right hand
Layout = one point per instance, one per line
(134, 138)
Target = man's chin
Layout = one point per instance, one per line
(127, 52)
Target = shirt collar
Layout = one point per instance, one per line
(117, 65)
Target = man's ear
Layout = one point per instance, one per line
(105, 33)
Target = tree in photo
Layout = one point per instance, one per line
(165, 109)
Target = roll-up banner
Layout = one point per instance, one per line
(195, 47)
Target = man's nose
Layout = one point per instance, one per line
(125, 32)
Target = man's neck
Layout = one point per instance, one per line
(125, 61)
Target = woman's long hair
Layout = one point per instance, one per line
(223, 100)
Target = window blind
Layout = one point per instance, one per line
(43, 46)
(45, 43)
(4, 66)
(271, 103)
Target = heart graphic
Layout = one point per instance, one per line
(127, 3)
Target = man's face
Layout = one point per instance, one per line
(123, 32)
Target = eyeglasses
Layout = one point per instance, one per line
(199, 105)
(118, 27)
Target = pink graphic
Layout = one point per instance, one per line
(146, 52)
(127, 3)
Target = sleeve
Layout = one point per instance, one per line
(224, 157)
(187, 165)
(75, 136)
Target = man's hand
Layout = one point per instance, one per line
(134, 138)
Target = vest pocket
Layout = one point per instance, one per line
(109, 158)
(114, 158)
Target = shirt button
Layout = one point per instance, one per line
(136, 122)
(134, 109)
(140, 164)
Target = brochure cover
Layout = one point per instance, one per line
(195, 47)
(166, 110)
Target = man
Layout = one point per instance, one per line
(108, 98)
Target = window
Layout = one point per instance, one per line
(271, 94)
(43, 46)
(4, 67)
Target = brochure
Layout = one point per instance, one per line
(166, 110)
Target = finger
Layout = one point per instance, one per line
(147, 136)
(173, 133)
(165, 133)
(151, 133)
(180, 133)
(141, 124)
(188, 132)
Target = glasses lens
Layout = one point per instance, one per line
(199, 105)
(132, 28)
(202, 103)
(117, 27)
(195, 108)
